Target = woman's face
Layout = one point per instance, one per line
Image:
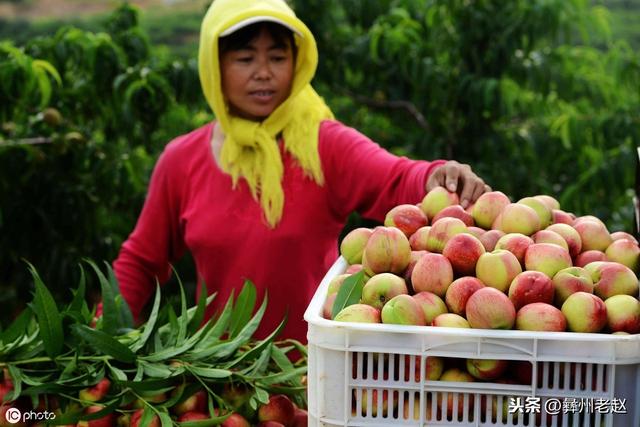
(256, 79)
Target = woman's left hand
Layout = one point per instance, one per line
(459, 178)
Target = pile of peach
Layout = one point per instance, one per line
(497, 264)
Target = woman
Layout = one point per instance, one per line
(264, 192)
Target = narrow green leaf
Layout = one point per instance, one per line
(18, 327)
(213, 421)
(183, 321)
(218, 328)
(165, 419)
(281, 377)
(49, 318)
(243, 307)
(209, 372)
(260, 347)
(117, 373)
(151, 322)
(156, 370)
(105, 343)
(78, 294)
(109, 310)
(198, 316)
(349, 293)
(16, 377)
(125, 316)
(225, 349)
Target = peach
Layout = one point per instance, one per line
(498, 269)
(406, 275)
(548, 236)
(546, 258)
(433, 368)
(381, 287)
(558, 216)
(489, 308)
(386, 251)
(476, 231)
(593, 234)
(570, 280)
(540, 316)
(97, 392)
(612, 278)
(441, 231)
(625, 252)
(335, 283)
(432, 305)
(403, 310)
(450, 320)
(235, 420)
(584, 312)
(543, 211)
(458, 375)
(549, 201)
(433, 273)
(486, 369)
(353, 269)
(327, 307)
(379, 399)
(459, 292)
(531, 286)
(518, 218)
(487, 208)
(617, 235)
(516, 243)
(436, 200)
(455, 211)
(279, 408)
(463, 251)
(408, 218)
(623, 314)
(418, 240)
(359, 313)
(353, 243)
(300, 418)
(490, 238)
(197, 402)
(571, 237)
(588, 257)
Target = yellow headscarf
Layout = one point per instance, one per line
(250, 150)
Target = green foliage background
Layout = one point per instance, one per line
(539, 97)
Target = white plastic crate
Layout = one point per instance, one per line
(360, 375)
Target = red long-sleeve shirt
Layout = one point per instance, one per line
(191, 205)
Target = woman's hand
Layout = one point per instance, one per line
(459, 178)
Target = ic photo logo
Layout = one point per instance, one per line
(13, 415)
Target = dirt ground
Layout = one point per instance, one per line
(36, 9)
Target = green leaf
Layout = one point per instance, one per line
(349, 293)
(78, 294)
(17, 328)
(261, 346)
(105, 343)
(213, 421)
(183, 321)
(198, 316)
(225, 349)
(125, 316)
(151, 322)
(206, 372)
(243, 308)
(109, 310)
(49, 318)
(281, 377)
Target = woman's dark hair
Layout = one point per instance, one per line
(240, 39)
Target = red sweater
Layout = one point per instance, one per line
(191, 205)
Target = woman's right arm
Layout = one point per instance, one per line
(157, 239)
